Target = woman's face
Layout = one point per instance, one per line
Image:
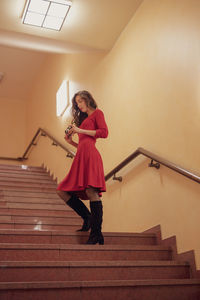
(81, 104)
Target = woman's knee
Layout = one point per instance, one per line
(92, 194)
(63, 195)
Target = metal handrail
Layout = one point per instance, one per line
(32, 143)
(155, 158)
(159, 160)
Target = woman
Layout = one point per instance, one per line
(85, 179)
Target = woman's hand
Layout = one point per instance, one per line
(68, 138)
(75, 129)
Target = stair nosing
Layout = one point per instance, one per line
(84, 247)
(118, 263)
(57, 232)
(93, 284)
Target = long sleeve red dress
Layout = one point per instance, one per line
(87, 167)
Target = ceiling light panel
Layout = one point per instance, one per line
(49, 14)
(39, 6)
(53, 23)
(34, 19)
(65, 2)
(58, 10)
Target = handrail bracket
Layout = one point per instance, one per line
(154, 165)
(117, 178)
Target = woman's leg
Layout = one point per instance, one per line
(92, 194)
(64, 195)
(96, 207)
(78, 206)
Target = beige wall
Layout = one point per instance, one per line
(12, 128)
(148, 87)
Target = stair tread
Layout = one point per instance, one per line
(102, 283)
(34, 193)
(29, 188)
(31, 200)
(63, 208)
(25, 179)
(85, 247)
(37, 222)
(21, 178)
(65, 232)
(22, 172)
(37, 212)
(118, 263)
(20, 166)
(24, 183)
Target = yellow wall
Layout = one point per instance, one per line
(148, 87)
(12, 128)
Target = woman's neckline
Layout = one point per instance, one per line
(92, 112)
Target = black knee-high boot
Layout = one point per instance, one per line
(96, 235)
(79, 207)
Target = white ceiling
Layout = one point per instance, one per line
(91, 25)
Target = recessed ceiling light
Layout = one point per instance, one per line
(49, 14)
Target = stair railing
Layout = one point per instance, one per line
(40, 132)
(155, 159)
(155, 162)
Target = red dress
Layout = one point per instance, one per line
(87, 167)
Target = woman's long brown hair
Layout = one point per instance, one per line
(79, 116)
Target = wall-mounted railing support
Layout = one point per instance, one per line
(119, 178)
(154, 165)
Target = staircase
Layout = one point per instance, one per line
(43, 257)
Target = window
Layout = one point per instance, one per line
(62, 98)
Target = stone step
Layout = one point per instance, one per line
(45, 206)
(24, 173)
(11, 168)
(165, 289)
(27, 183)
(26, 179)
(28, 187)
(66, 237)
(36, 212)
(32, 193)
(26, 200)
(62, 252)
(37, 224)
(90, 271)
(43, 219)
(36, 221)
